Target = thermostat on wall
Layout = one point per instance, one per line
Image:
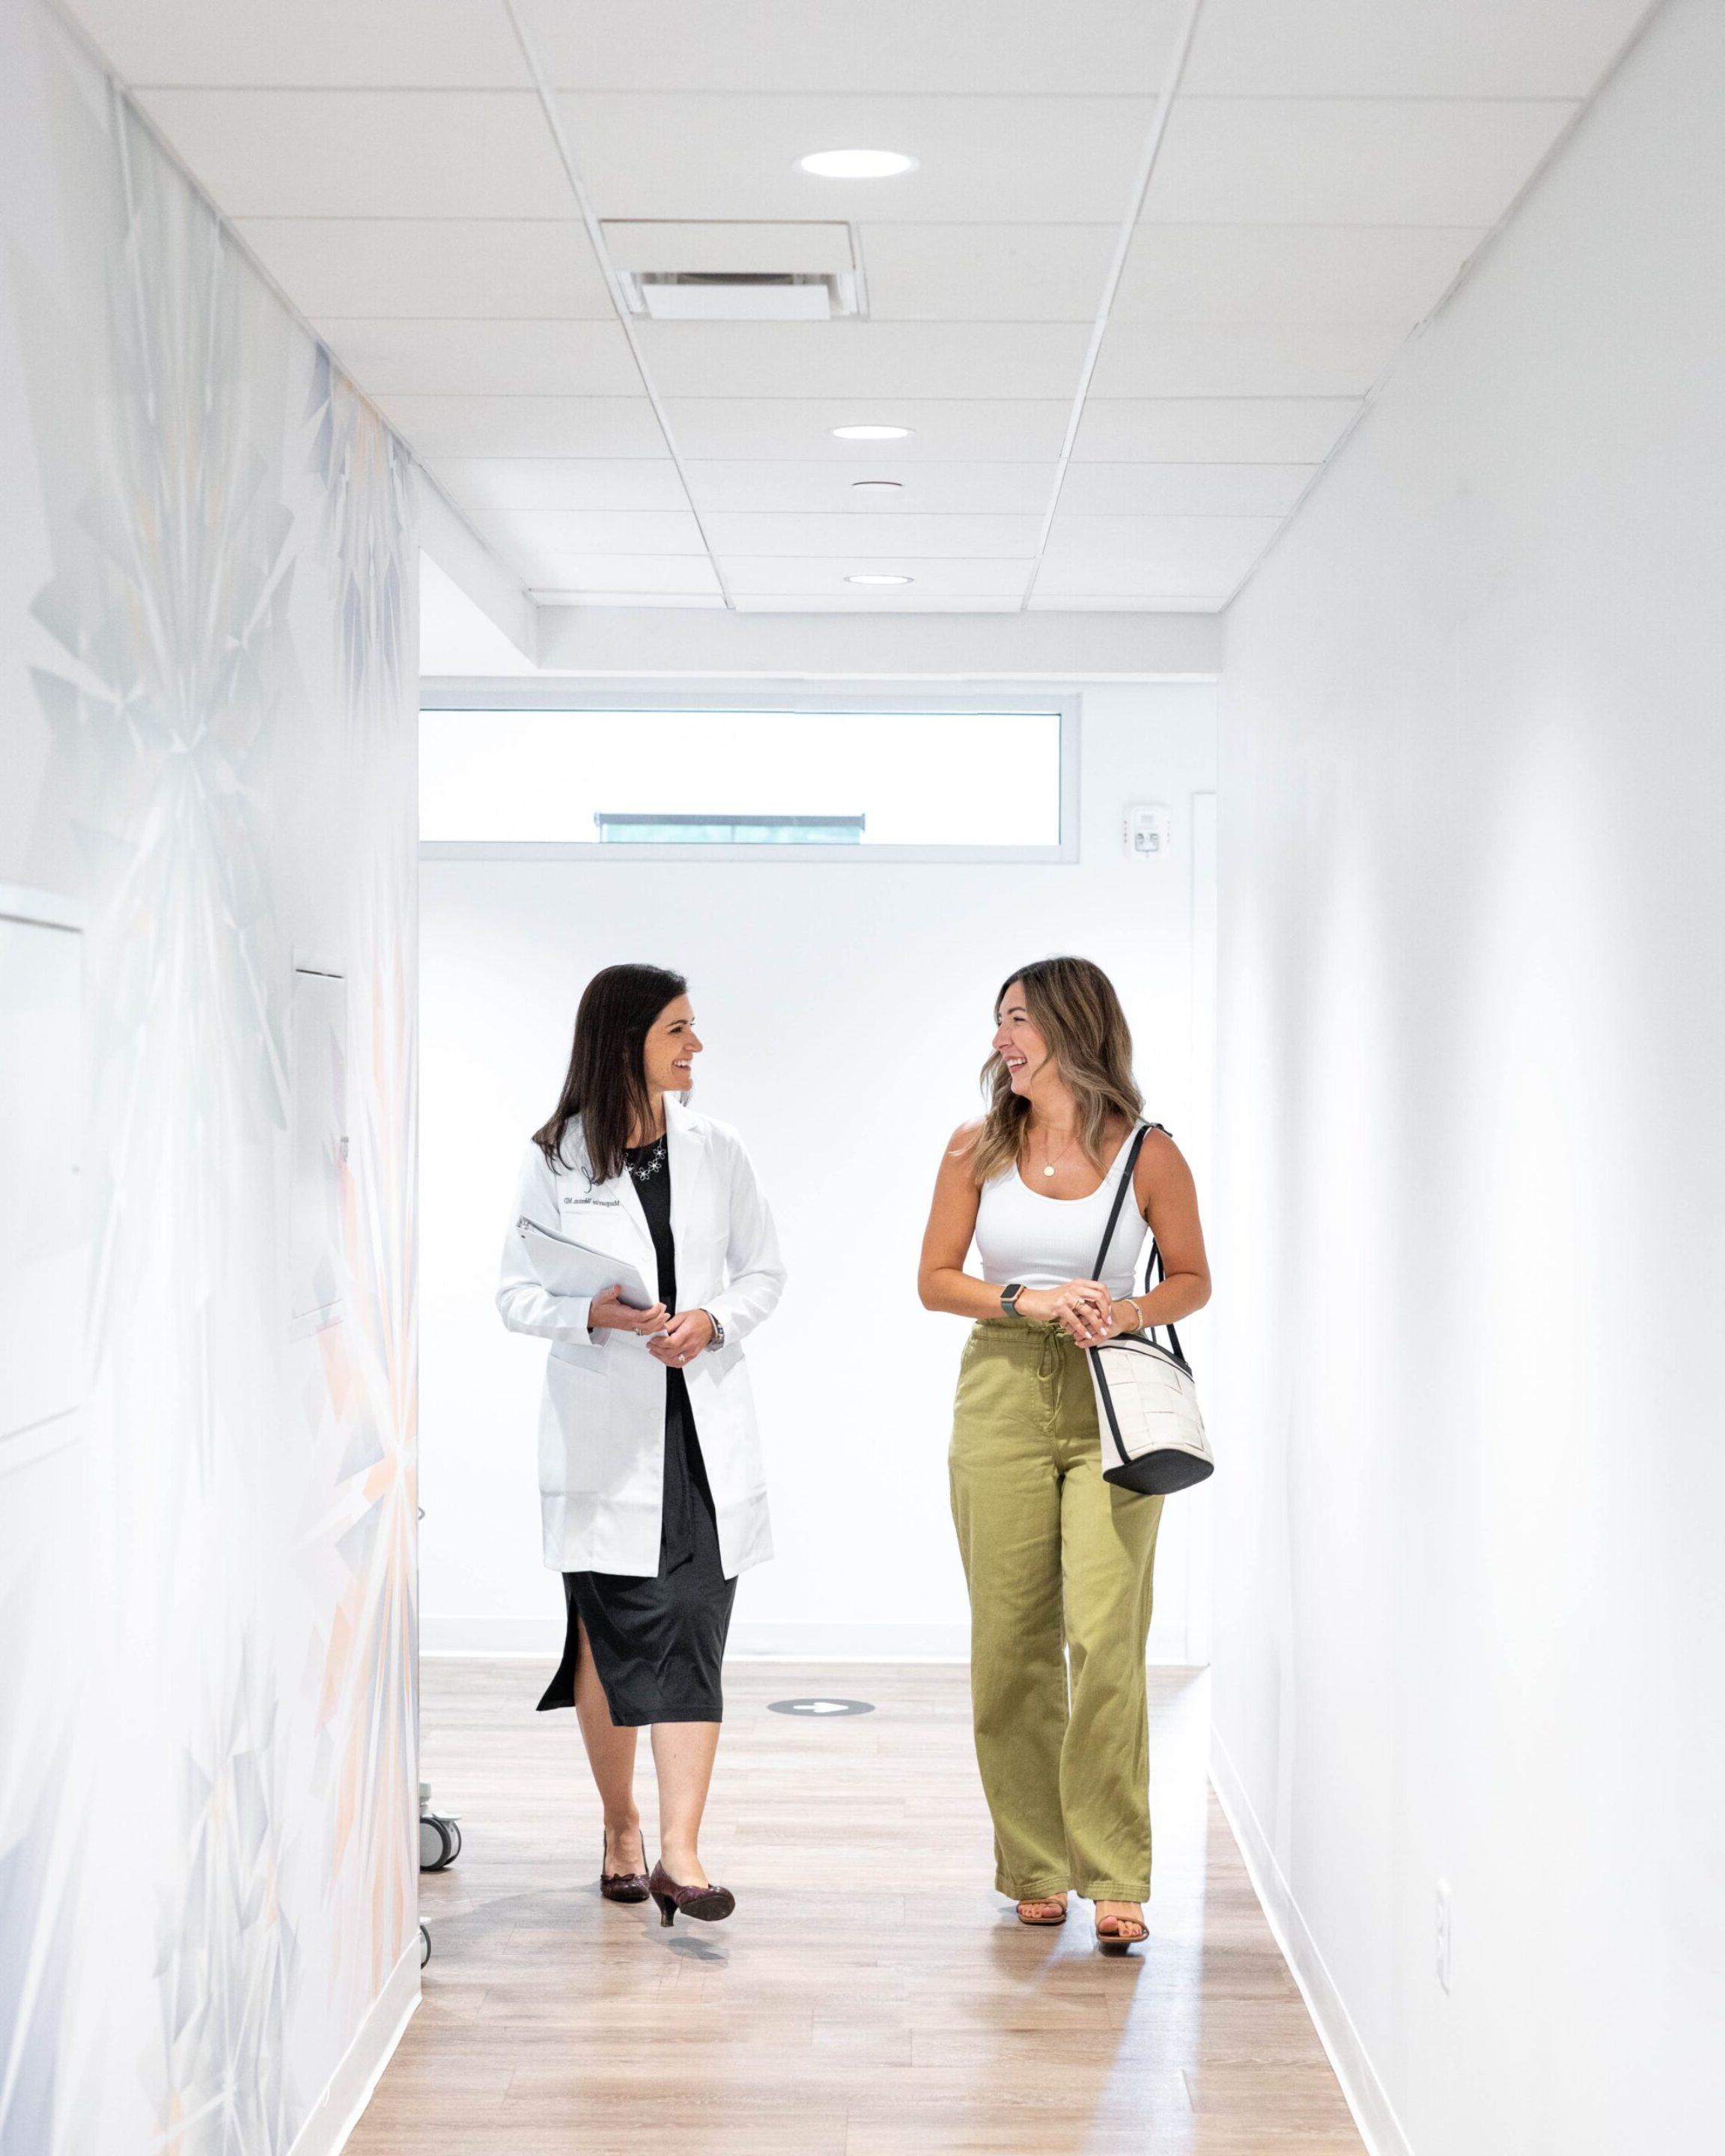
(1148, 829)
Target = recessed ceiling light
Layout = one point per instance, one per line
(857, 164)
(877, 580)
(876, 485)
(870, 434)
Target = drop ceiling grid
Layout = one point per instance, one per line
(572, 158)
(1463, 160)
(1328, 172)
(1438, 171)
(1068, 167)
(1283, 120)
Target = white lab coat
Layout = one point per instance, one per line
(601, 1417)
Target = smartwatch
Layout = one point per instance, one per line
(1010, 1298)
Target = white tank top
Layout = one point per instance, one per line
(1044, 1242)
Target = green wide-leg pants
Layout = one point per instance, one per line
(1059, 1564)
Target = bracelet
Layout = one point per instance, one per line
(1132, 1301)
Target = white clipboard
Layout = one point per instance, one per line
(567, 1268)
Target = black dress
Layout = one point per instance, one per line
(658, 1644)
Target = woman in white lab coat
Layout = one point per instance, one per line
(651, 1486)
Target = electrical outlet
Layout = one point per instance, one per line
(1445, 1933)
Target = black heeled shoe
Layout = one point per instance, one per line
(709, 1903)
(623, 1886)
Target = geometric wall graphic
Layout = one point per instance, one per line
(317, 1060)
(42, 1126)
(208, 1845)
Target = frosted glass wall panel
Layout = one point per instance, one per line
(208, 1772)
(42, 1235)
(319, 1145)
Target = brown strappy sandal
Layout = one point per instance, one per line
(1124, 1932)
(1042, 1901)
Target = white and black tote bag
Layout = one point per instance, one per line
(1153, 1438)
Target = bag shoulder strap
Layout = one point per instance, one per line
(1135, 1146)
(1154, 1271)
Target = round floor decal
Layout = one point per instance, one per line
(818, 1706)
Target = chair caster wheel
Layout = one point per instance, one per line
(440, 1842)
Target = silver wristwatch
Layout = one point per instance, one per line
(718, 1339)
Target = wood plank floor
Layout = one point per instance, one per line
(872, 1996)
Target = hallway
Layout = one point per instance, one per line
(967, 563)
(871, 1997)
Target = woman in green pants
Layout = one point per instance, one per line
(1059, 1562)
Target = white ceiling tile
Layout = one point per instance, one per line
(1284, 273)
(985, 431)
(525, 426)
(1288, 161)
(366, 152)
(541, 533)
(1171, 539)
(925, 538)
(459, 44)
(1212, 429)
(1183, 489)
(627, 574)
(453, 267)
(987, 273)
(972, 489)
(641, 483)
(762, 575)
(416, 358)
(984, 159)
(1419, 49)
(1207, 584)
(807, 247)
(809, 360)
(962, 47)
(1280, 359)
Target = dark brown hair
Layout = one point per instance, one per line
(1072, 1004)
(607, 1081)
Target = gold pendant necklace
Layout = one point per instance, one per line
(1049, 1166)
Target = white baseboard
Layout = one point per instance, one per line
(1367, 2097)
(337, 2110)
(540, 1639)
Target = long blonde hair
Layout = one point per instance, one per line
(1072, 1004)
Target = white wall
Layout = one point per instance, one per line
(208, 1844)
(846, 1007)
(1472, 1223)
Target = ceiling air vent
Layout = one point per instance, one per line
(737, 273)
